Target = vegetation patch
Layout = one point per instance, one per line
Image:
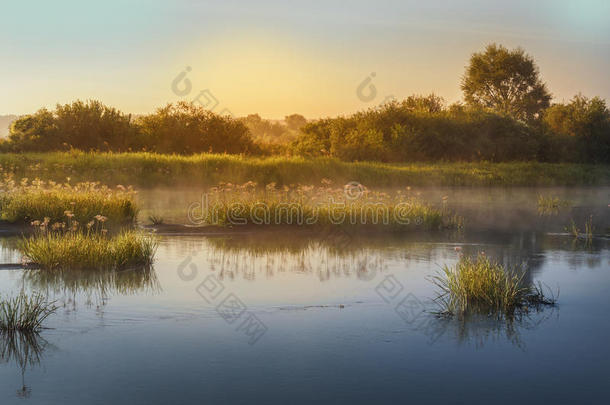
(352, 205)
(144, 169)
(24, 313)
(481, 286)
(551, 205)
(79, 250)
(24, 201)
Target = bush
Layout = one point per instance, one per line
(580, 129)
(185, 129)
(419, 129)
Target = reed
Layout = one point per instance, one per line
(481, 286)
(24, 201)
(24, 313)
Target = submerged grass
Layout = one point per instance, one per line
(481, 286)
(24, 313)
(150, 170)
(26, 201)
(79, 250)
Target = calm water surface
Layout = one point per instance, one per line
(329, 318)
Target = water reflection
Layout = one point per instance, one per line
(95, 285)
(24, 350)
(480, 330)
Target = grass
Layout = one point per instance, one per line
(481, 286)
(551, 205)
(575, 231)
(231, 204)
(150, 170)
(24, 313)
(78, 250)
(27, 201)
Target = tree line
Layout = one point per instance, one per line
(506, 115)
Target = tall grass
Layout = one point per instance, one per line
(25, 201)
(233, 204)
(24, 313)
(79, 250)
(481, 286)
(150, 170)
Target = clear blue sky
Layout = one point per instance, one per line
(280, 57)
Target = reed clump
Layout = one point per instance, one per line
(308, 205)
(24, 201)
(68, 245)
(481, 286)
(24, 313)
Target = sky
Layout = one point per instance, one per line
(316, 58)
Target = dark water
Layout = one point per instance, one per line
(323, 318)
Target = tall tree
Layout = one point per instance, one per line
(506, 81)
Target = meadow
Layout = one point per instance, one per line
(148, 170)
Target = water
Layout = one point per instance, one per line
(324, 318)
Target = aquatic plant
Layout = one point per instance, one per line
(575, 231)
(26, 201)
(551, 205)
(24, 313)
(156, 219)
(482, 286)
(79, 250)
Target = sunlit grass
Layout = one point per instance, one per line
(24, 313)
(481, 286)
(324, 205)
(24, 201)
(79, 250)
(149, 169)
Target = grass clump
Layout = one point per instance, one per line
(352, 205)
(481, 286)
(26, 201)
(551, 205)
(78, 250)
(24, 313)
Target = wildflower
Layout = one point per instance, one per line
(35, 223)
(69, 214)
(90, 224)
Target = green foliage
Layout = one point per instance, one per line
(482, 286)
(580, 129)
(24, 202)
(82, 125)
(152, 170)
(52, 250)
(91, 126)
(24, 313)
(234, 204)
(185, 129)
(418, 129)
(505, 81)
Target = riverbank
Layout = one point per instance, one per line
(148, 170)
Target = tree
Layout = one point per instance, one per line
(585, 122)
(505, 81)
(295, 121)
(185, 128)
